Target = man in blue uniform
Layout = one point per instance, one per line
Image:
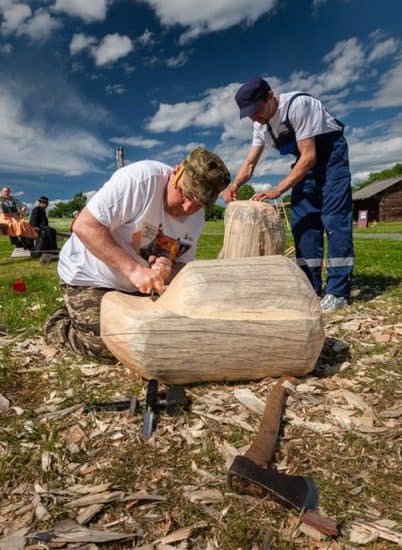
(297, 123)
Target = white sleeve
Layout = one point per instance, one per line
(259, 132)
(307, 117)
(121, 199)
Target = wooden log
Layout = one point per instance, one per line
(238, 319)
(252, 229)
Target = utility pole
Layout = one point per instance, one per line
(119, 157)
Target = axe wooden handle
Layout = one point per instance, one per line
(262, 449)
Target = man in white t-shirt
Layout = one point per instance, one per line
(134, 235)
(321, 200)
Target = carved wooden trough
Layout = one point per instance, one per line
(236, 319)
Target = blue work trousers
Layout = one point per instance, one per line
(323, 201)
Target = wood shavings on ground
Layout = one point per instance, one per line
(73, 477)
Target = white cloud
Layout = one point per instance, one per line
(214, 109)
(209, 15)
(19, 19)
(384, 48)
(28, 147)
(88, 10)
(177, 61)
(146, 39)
(13, 16)
(111, 48)
(40, 26)
(389, 89)
(81, 41)
(115, 89)
(345, 69)
(375, 155)
(136, 141)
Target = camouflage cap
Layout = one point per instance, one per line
(207, 176)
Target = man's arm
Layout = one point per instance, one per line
(306, 161)
(99, 241)
(244, 173)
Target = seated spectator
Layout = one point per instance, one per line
(46, 241)
(20, 232)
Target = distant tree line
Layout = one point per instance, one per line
(66, 209)
(396, 170)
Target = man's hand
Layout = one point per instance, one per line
(268, 194)
(147, 279)
(161, 264)
(229, 194)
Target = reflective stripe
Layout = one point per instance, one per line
(312, 262)
(341, 262)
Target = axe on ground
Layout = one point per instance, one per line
(254, 474)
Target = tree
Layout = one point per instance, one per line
(395, 170)
(245, 192)
(66, 209)
(216, 212)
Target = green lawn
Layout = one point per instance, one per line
(382, 227)
(357, 470)
(378, 266)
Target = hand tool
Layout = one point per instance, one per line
(122, 405)
(254, 473)
(175, 402)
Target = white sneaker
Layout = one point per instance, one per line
(331, 303)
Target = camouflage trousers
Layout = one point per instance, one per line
(77, 325)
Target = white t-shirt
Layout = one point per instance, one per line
(306, 115)
(131, 205)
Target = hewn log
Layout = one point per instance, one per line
(252, 229)
(238, 319)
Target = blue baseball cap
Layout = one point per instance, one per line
(249, 95)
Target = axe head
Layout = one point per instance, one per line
(293, 491)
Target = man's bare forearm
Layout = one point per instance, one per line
(99, 241)
(246, 170)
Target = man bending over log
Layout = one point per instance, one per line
(134, 235)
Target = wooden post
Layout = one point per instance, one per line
(252, 229)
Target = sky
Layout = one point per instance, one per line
(158, 77)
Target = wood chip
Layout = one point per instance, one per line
(366, 532)
(86, 514)
(176, 536)
(89, 489)
(394, 412)
(225, 420)
(100, 498)
(250, 400)
(4, 404)
(203, 474)
(204, 496)
(14, 540)
(310, 532)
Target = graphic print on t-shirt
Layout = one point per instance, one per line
(154, 242)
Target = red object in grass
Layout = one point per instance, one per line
(18, 286)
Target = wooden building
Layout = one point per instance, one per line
(381, 199)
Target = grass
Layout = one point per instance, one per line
(381, 227)
(339, 465)
(378, 267)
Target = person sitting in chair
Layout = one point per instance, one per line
(20, 232)
(46, 241)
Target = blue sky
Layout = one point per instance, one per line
(79, 77)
